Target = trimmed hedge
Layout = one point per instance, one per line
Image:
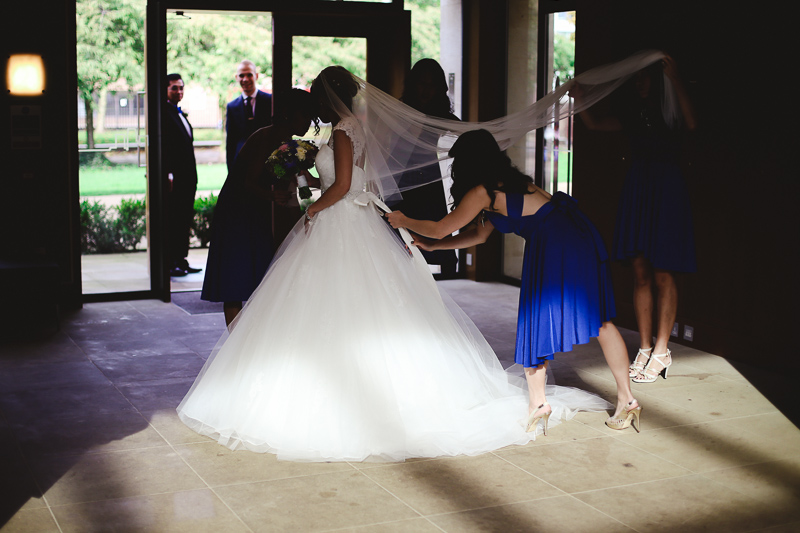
(121, 228)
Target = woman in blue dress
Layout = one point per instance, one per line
(566, 295)
(242, 244)
(654, 229)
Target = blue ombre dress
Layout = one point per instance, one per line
(566, 292)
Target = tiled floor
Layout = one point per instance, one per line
(89, 441)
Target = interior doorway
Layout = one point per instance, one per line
(383, 29)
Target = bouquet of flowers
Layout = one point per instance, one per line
(290, 159)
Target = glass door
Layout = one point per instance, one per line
(112, 174)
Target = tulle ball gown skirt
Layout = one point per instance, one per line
(347, 351)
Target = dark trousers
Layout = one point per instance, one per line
(180, 209)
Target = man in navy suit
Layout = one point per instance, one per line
(247, 113)
(181, 169)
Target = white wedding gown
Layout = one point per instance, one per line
(347, 351)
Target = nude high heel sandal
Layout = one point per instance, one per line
(533, 418)
(628, 417)
(639, 362)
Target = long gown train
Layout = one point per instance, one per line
(348, 351)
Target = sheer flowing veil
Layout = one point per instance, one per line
(400, 138)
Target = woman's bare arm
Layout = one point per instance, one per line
(475, 201)
(343, 164)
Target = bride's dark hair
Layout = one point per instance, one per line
(478, 160)
(340, 81)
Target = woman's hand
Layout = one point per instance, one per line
(424, 243)
(396, 219)
(670, 68)
(312, 210)
(576, 91)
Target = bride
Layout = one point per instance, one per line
(347, 350)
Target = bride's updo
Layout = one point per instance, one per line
(340, 81)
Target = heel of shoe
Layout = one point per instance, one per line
(649, 374)
(533, 419)
(628, 417)
(546, 420)
(634, 414)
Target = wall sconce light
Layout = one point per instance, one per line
(25, 75)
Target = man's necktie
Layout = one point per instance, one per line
(248, 108)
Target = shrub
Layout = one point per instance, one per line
(116, 229)
(107, 230)
(203, 215)
(97, 228)
(130, 223)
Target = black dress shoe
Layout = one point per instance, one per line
(190, 270)
(177, 272)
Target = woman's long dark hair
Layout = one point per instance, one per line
(294, 100)
(477, 160)
(440, 106)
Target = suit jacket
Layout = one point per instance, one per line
(238, 128)
(177, 147)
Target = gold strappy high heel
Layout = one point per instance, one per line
(628, 417)
(533, 418)
(639, 362)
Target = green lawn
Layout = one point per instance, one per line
(130, 179)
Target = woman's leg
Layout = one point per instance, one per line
(667, 311)
(667, 308)
(536, 376)
(643, 300)
(617, 358)
(231, 309)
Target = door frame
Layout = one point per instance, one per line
(386, 26)
(546, 8)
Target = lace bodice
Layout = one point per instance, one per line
(325, 163)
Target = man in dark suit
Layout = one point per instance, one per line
(181, 169)
(247, 113)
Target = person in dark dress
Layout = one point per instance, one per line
(248, 112)
(654, 229)
(566, 297)
(181, 168)
(425, 89)
(242, 244)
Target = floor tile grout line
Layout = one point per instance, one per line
(601, 511)
(538, 500)
(270, 480)
(619, 438)
(346, 528)
(392, 494)
(527, 472)
(29, 470)
(201, 478)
